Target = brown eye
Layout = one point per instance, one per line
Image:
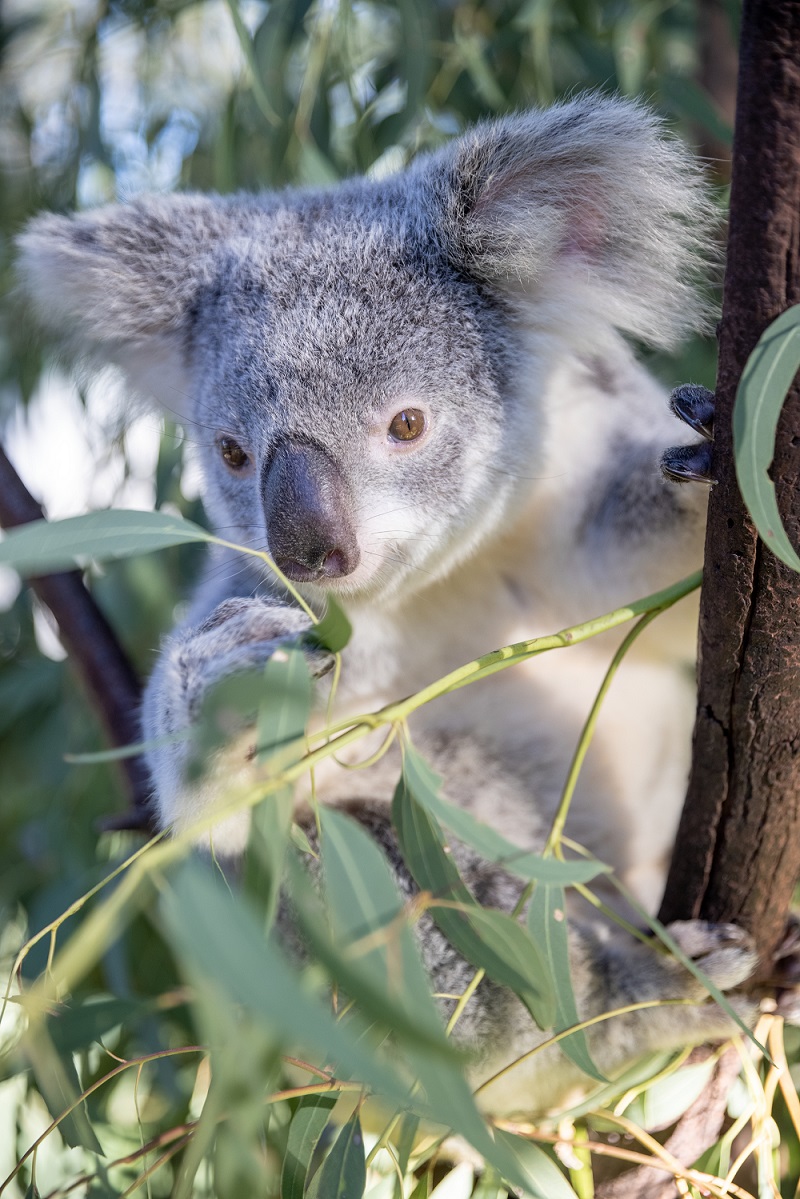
(233, 453)
(407, 425)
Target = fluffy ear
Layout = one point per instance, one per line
(119, 284)
(590, 205)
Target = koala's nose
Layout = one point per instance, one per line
(307, 506)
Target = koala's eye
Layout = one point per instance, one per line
(233, 453)
(407, 425)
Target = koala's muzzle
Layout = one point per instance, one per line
(307, 509)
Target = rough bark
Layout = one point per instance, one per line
(93, 648)
(737, 855)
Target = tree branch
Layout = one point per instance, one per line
(737, 856)
(93, 649)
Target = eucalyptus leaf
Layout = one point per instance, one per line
(43, 545)
(311, 1118)
(765, 382)
(285, 701)
(425, 786)
(547, 925)
(343, 1174)
(542, 1177)
(334, 631)
(488, 939)
(218, 935)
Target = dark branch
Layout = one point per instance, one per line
(93, 649)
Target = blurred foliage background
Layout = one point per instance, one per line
(99, 101)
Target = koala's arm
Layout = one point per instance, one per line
(235, 623)
(624, 502)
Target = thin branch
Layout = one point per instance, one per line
(93, 648)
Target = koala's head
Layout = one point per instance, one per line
(363, 365)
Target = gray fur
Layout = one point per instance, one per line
(488, 286)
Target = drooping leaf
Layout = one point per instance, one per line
(309, 1122)
(385, 977)
(765, 381)
(425, 786)
(547, 924)
(343, 1174)
(488, 939)
(285, 701)
(270, 825)
(219, 937)
(43, 545)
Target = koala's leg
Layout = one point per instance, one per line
(608, 971)
(238, 634)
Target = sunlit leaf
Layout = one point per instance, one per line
(547, 925)
(44, 545)
(543, 1178)
(765, 382)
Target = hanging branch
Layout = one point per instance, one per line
(737, 856)
(93, 649)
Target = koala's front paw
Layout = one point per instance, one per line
(240, 634)
(694, 405)
(725, 952)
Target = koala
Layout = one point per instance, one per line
(419, 394)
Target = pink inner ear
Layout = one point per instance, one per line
(586, 234)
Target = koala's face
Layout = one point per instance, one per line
(352, 398)
(363, 365)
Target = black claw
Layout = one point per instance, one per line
(688, 463)
(695, 406)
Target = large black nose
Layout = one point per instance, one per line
(307, 506)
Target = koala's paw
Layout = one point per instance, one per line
(694, 405)
(725, 952)
(240, 634)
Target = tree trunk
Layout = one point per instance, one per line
(737, 856)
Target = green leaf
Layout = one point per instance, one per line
(75, 1026)
(542, 1177)
(425, 786)
(270, 825)
(489, 939)
(44, 545)
(395, 995)
(285, 704)
(309, 1122)
(547, 924)
(388, 982)
(343, 1174)
(763, 387)
(666, 1100)
(220, 938)
(334, 630)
